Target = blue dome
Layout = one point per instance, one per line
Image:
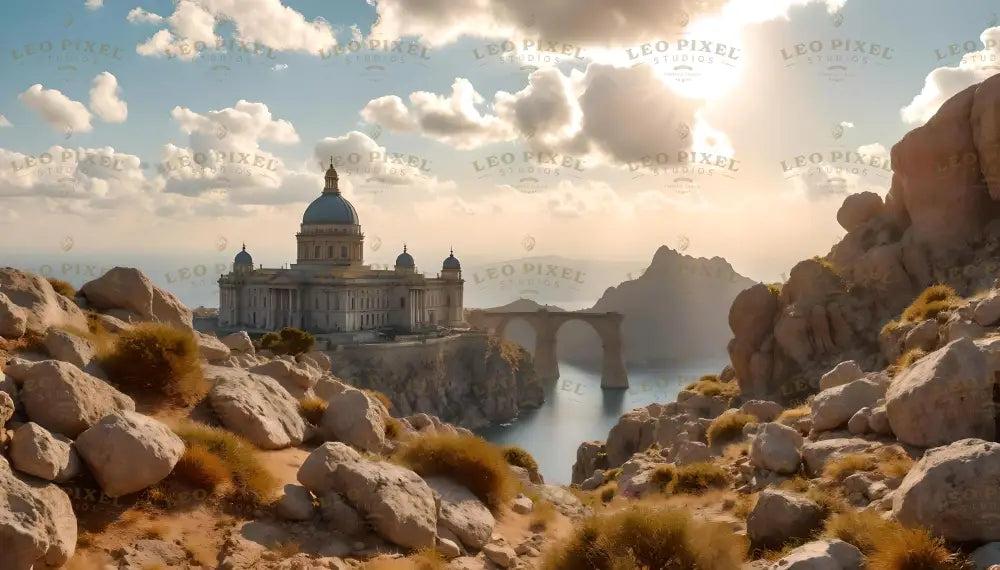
(405, 259)
(451, 262)
(243, 258)
(330, 209)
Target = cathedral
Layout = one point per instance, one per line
(330, 290)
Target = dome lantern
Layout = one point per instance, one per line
(451, 262)
(405, 260)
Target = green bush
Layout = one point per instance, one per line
(288, 341)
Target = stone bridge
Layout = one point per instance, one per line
(546, 324)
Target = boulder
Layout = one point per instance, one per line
(815, 454)
(847, 371)
(296, 504)
(394, 499)
(986, 556)
(294, 378)
(501, 555)
(586, 460)
(763, 410)
(953, 492)
(128, 452)
(129, 289)
(833, 408)
(70, 348)
(13, 318)
(924, 335)
(944, 397)
(688, 452)
(6, 408)
(37, 524)
(776, 448)
(353, 418)
(42, 307)
(342, 517)
(859, 422)
(37, 452)
(751, 318)
(112, 324)
(878, 421)
(210, 347)
(238, 342)
(858, 208)
(633, 432)
(256, 407)
(462, 513)
(779, 517)
(822, 555)
(62, 398)
(987, 311)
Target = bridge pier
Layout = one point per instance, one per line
(613, 372)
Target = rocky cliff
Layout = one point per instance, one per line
(471, 380)
(676, 308)
(939, 223)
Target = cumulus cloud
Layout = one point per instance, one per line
(58, 110)
(105, 101)
(140, 16)
(357, 156)
(94, 4)
(267, 22)
(4, 122)
(594, 22)
(945, 82)
(581, 114)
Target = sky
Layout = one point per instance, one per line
(585, 129)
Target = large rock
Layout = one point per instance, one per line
(946, 396)
(816, 454)
(210, 347)
(763, 410)
(129, 289)
(256, 407)
(37, 524)
(353, 418)
(834, 407)
(586, 460)
(37, 452)
(294, 378)
(128, 452)
(779, 517)
(6, 407)
(847, 371)
(751, 318)
(62, 398)
(239, 342)
(953, 492)
(633, 432)
(987, 311)
(397, 502)
(41, 307)
(822, 555)
(13, 319)
(70, 348)
(462, 513)
(776, 448)
(857, 209)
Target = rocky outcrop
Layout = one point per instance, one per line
(834, 407)
(470, 380)
(396, 501)
(256, 407)
(355, 419)
(776, 448)
(37, 452)
(129, 289)
(70, 348)
(211, 348)
(822, 555)
(62, 398)
(462, 513)
(128, 452)
(779, 517)
(37, 524)
(33, 305)
(296, 378)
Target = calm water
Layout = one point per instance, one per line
(577, 410)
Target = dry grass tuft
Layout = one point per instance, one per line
(698, 478)
(381, 398)
(607, 492)
(932, 301)
(469, 460)
(888, 545)
(393, 428)
(792, 415)
(515, 455)
(663, 477)
(159, 360)
(252, 484)
(64, 288)
(728, 427)
(313, 408)
(796, 484)
(891, 462)
(744, 505)
(542, 515)
(201, 468)
(429, 559)
(710, 385)
(906, 360)
(648, 536)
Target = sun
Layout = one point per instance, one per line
(704, 61)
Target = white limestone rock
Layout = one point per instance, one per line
(834, 407)
(462, 513)
(128, 288)
(777, 448)
(62, 398)
(847, 371)
(780, 516)
(210, 347)
(37, 523)
(13, 319)
(128, 452)
(353, 418)
(822, 555)
(37, 452)
(239, 342)
(256, 407)
(70, 348)
(41, 307)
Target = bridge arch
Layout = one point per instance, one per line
(547, 323)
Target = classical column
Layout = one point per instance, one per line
(546, 363)
(613, 372)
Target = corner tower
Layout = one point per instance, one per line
(330, 233)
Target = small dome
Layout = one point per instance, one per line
(451, 262)
(405, 259)
(243, 258)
